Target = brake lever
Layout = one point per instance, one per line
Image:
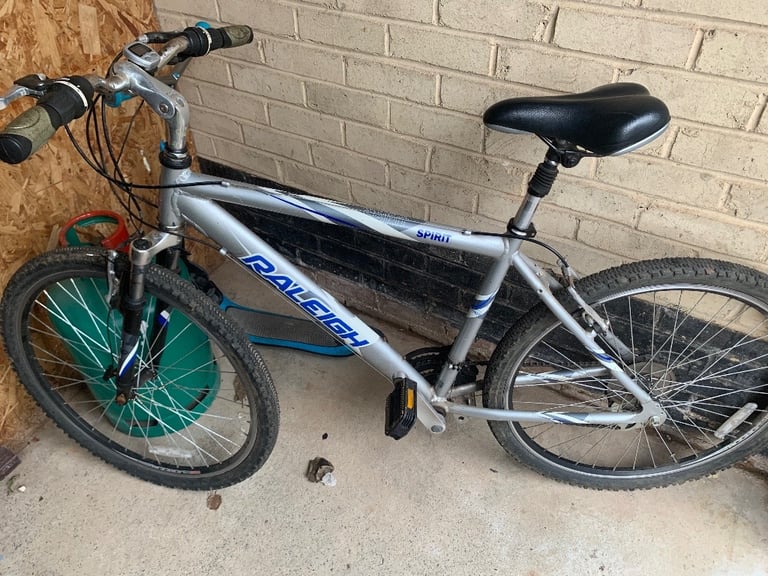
(158, 37)
(31, 85)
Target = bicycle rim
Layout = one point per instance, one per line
(700, 351)
(195, 413)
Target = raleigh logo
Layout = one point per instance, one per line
(303, 298)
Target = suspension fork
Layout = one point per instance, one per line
(132, 304)
(169, 259)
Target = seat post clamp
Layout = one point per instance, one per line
(513, 230)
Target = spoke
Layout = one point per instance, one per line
(573, 439)
(594, 403)
(63, 317)
(653, 327)
(708, 322)
(600, 384)
(626, 450)
(728, 371)
(98, 324)
(83, 337)
(704, 328)
(671, 340)
(648, 444)
(723, 329)
(49, 331)
(601, 443)
(683, 436)
(709, 398)
(147, 445)
(704, 435)
(631, 335)
(728, 351)
(183, 414)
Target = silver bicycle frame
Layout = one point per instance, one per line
(200, 206)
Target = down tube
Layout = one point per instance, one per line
(302, 292)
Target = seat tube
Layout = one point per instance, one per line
(520, 227)
(475, 317)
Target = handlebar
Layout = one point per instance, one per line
(66, 99)
(204, 40)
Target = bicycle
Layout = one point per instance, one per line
(644, 375)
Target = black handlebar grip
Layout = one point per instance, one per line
(204, 40)
(233, 36)
(65, 100)
(25, 135)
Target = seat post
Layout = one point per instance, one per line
(538, 187)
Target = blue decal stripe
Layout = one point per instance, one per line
(129, 360)
(316, 212)
(482, 303)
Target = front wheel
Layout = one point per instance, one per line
(205, 412)
(698, 331)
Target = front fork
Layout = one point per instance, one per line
(132, 304)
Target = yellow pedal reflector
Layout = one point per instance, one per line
(400, 409)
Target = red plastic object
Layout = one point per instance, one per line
(118, 240)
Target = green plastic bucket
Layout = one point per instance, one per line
(187, 379)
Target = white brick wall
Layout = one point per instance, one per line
(379, 102)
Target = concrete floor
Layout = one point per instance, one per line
(453, 504)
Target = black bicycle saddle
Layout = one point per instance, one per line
(607, 120)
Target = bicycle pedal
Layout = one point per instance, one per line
(401, 409)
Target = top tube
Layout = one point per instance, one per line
(340, 214)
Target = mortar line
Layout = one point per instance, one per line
(757, 113)
(666, 150)
(493, 60)
(725, 196)
(296, 33)
(693, 55)
(262, 52)
(549, 31)
(593, 167)
(311, 156)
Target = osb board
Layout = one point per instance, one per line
(58, 38)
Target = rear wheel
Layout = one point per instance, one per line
(205, 413)
(699, 333)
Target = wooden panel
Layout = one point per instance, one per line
(57, 38)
